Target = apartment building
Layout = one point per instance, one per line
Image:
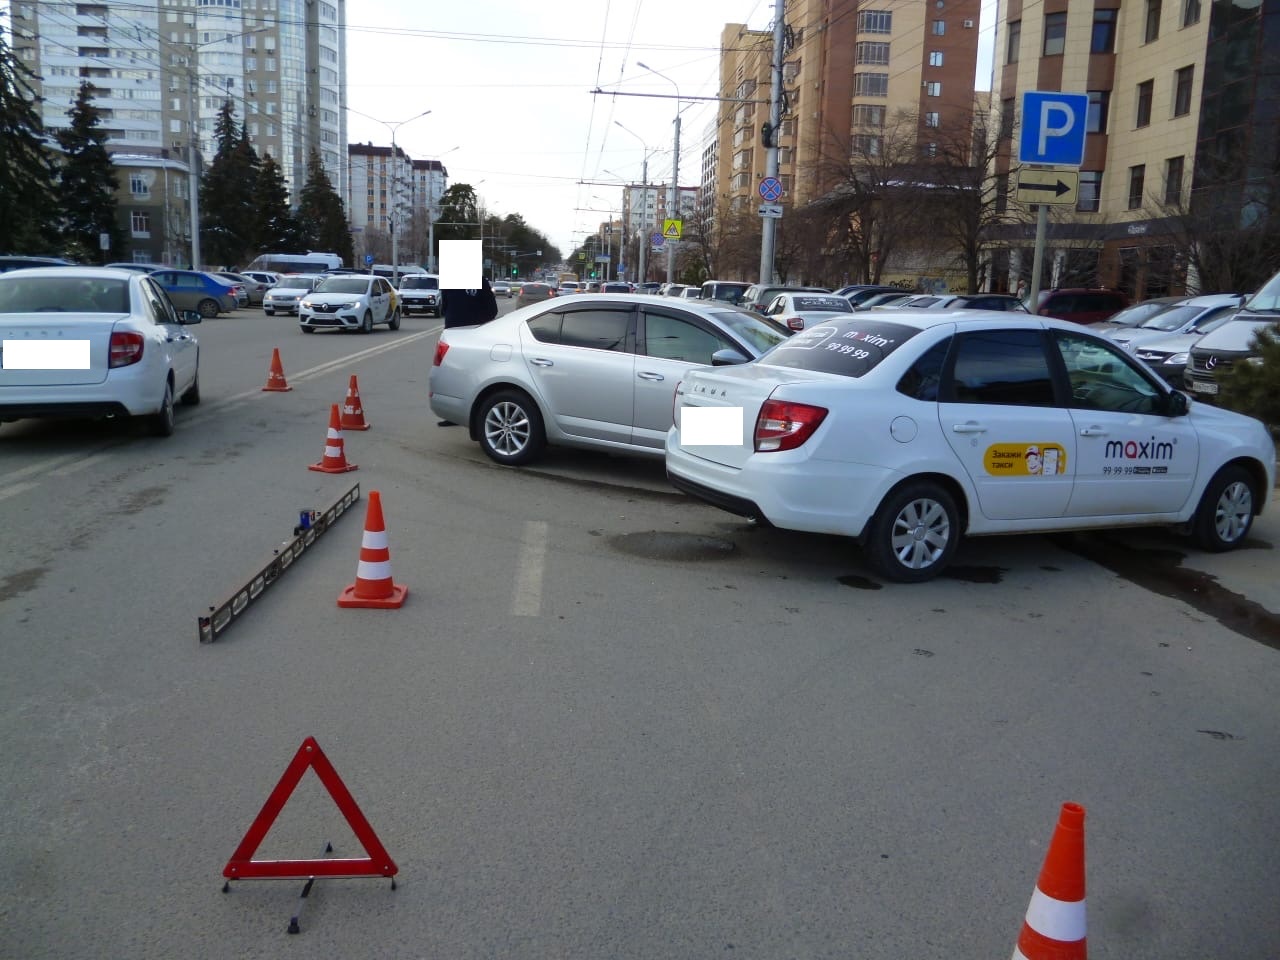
(1184, 99)
(644, 207)
(162, 69)
(153, 209)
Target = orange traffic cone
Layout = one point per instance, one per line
(1054, 928)
(374, 586)
(275, 377)
(352, 412)
(335, 458)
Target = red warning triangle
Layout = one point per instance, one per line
(242, 866)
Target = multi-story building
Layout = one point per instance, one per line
(1182, 113)
(386, 191)
(161, 70)
(153, 209)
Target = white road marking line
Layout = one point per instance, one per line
(17, 488)
(527, 601)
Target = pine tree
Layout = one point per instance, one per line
(275, 228)
(1253, 388)
(226, 194)
(87, 183)
(28, 204)
(322, 214)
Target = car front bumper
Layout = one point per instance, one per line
(425, 304)
(341, 319)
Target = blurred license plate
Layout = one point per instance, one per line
(1199, 387)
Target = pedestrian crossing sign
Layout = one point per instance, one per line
(671, 229)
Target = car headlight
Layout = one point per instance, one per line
(1255, 361)
(307, 304)
(347, 306)
(1177, 360)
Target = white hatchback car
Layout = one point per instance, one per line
(796, 311)
(349, 301)
(910, 428)
(91, 342)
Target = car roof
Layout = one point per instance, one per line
(1214, 299)
(82, 273)
(925, 319)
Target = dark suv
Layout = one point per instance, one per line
(1080, 305)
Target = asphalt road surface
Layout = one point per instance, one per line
(608, 721)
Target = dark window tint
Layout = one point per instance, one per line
(839, 304)
(1002, 366)
(846, 347)
(546, 327)
(1104, 31)
(597, 329)
(921, 381)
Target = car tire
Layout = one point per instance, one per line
(914, 533)
(269, 313)
(394, 322)
(1225, 515)
(366, 323)
(162, 422)
(307, 329)
(207, 308)
(510, 428)
(191, 397)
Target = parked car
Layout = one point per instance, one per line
(10, 262)
(1215, 353)
(140, 267)
(966, 301)
(795, 311)
(502, 288)
(597, 372)
(884, 299)
(760, 295)
(908, 429)
(1185, 317)
(121, 347)
(254, 290)
(649, 288)
(195, 290)
(867, 293)
(292, 287)
(591, 286)
(726, 291)
(1080, 305)
(615, 286)
(534, 292)
(237, 287)
(672, 289)
(1168, 355)
(420, 292)
(691, 293)
(1135, 314)
(570, 286)
(350, 302)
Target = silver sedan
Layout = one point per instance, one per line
(597, 371)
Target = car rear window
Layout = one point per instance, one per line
(63, 295)
(837, 304)
(849, 348)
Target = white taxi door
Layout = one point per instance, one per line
(997, 411)
(1132, 460)
(380, 297)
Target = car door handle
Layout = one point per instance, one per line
(969, 427)
(1094, 431)
(540, 362)
(650, 376)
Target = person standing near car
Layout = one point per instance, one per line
(468, 308)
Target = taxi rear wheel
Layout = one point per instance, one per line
(914, 534)
(1225, 515)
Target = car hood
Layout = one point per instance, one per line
(296, 291)
(333, 297)
(1172, 343)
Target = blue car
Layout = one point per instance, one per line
(193, 290)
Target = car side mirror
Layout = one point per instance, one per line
(1177, 404)
(727, 356)
(190, 316)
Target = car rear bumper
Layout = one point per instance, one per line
(116, 396)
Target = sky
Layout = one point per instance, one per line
(509, 83)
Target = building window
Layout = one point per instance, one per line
(1090, 196)
(1190, 12)
(1055, 34)
(933, 88)
(870, 84)
(1096, 118)
(138, 186)
(1008, 107)
(866, 146)
(1182, 91)
(1015, 40)
(1144, 103)
(932, 120)
(875, 21)
(1151, 32)
(1137, 175)
(868, 115)
(939, 28)
(935, 58)
(1173, 181)
(1104, 31)
(140, 222)
(873, 53)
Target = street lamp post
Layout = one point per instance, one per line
(395, 186)
(644, 203)
(673, 196)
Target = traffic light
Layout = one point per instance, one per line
(514, 270)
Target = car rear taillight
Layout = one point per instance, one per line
(441, 350)
(126, 348)
(783, 425)
(795, 323)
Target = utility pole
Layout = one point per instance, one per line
(193, 164)
(675, 199)
(769, 227)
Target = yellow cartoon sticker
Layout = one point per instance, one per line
(1025, 459)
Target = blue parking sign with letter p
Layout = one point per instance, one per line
(1053, 128)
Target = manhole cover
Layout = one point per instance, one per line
(660, 545)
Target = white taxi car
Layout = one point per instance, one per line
(907, 429)
(349, 301)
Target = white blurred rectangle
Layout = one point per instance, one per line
(45, 354)
(461, 265)
(711, 426)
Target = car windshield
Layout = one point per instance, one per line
(343, 285)
(297, 281)
(420, 283)
(761, 334)
(835, 304)
(850, 347)
(1173, 318)
(1138, 314)
(729, 292)
(1266, 300)
(1239, 334)
(63, 295)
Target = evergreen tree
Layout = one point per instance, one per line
(87, 183)
(226, 194)
(275, 228)
(28, 203)
(322, 214)
(1254, 388)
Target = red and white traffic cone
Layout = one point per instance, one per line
(276, 383)
(335, 457)
(352, 412)
(1054, 928)
(373, 586)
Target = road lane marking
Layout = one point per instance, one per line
(527, 601)
(17, 488)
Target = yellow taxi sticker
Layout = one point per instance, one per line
(1025, 459)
